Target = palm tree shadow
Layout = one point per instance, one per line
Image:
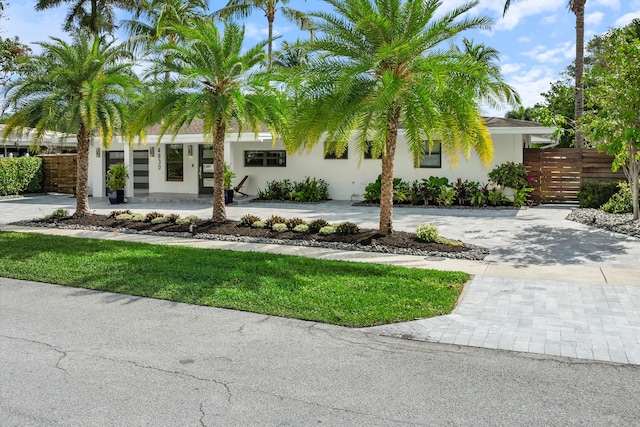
(549, 246)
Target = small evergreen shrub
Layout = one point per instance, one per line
(279, 227)
(347, 228)
(114, 214)
(316, 225)
(20, 175)
(427, 232)
(248, 220)
(124, 217)
(510, 174)
(309, 190)
(593, 194)
(621, 202)
(138, 217)
(258, 224)
(294, 222)
(327, 230)
(57, 214)
(187, 220)
(274, 219)
(160, 220)
(301, 228)
(153, 215)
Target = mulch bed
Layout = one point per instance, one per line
(366, 237)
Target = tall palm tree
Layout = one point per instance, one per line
(577, 7)
(241, 9)
(214, 83)
(79, 88)
(383, 63)
(100, 17)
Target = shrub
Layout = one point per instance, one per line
(316, 225)
(20, 175)
(309, 190)
(510, 174)
(160, 220)
(301, 228)
(280, 227)
(496, 198)
(274, 219)
(258, 224)
(621, 202)
(124, 217)
(153, 215)
(593, 194)
(248, 220)
(327, 230)
(114, 214)
(373, 191)
(446, 196)
(138, 217)
(427, 232)
(173, 217)
(57, 214)
(347, 228)
(520, 196)
(294, 222)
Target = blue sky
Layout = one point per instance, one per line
(536, 38)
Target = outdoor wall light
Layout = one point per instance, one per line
(190, 150)
(98, 152)
(152, 151)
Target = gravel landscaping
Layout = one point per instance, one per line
(617, 223)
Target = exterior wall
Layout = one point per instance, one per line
(347, 180)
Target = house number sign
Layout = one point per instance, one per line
(159, 158)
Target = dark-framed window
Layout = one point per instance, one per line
(432, 159)
(367, 152)
(175, 162)
(265, 158)
(330, 155)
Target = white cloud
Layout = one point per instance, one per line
(551, 19)
(626, 19)
(593, 18)
(521, 10)
(557, 55)
(524, 40)
(510, 68)
(255, 31)
(612, 4)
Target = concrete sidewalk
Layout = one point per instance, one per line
(549, 286)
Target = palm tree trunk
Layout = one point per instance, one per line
(82, 180)
(633, 176)
(386, 190)
(270, 18)
(219, 210)
(578, 9)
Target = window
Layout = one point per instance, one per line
(265, 158)
(175, 164)
(367, 153)
(433, 159)
(332, 155)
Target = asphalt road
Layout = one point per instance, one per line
(81, 358)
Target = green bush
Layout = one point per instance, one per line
(509, 174)
(621, 202)
(124, 217)
(446, 196)
(20, 175)
(279, 227)
(248, 220)
(427, 232)
(138, 217)
(160, 220)
(347, 228)
(327, 230)
(309, 190)
(274, 219)
(316, 225)
(593, 194)
(57, 214)
(401, 190)
(294, 222)
(301, 228)
(258, 224)
(153, 215)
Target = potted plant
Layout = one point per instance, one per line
(117, 176)
(229, 175)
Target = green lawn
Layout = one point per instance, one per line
(341, 293)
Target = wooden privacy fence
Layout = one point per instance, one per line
(60, 172)
(557, 173)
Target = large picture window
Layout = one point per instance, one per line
(265, 158)
(432, 159)
(175, 163)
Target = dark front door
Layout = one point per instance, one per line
(205, 169)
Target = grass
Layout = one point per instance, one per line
(336, 292)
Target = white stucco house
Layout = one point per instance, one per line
(184, 165)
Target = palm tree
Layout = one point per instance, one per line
(213, 83)
(383, 63)
(577, 7)
(241, 9)
(100, 17)
(78, 88)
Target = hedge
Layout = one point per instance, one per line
(20, 175)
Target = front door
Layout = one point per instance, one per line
(205, 170)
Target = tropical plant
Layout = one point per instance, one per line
(78, 88)
(427, 232)
(213, 82)
(100, 17)
(229, 175)
(577, 7)
(347, 228)
(593, 194)
(510, 174)
(380, 63)
(117, 176)
(520, 196)
(316, 224)
(248, 220)
(446, 196)
(621, 202)
(241, 9)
